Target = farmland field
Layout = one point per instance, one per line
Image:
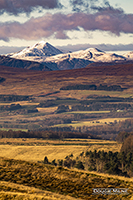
(36, 150)
(41, 107)
(93, 123)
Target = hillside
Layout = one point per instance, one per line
(36, 100)
(39, 178)
(21, 81)
(24, 64)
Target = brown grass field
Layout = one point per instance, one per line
(26, 82)
(35, 150)
(44, 85)
(19, 191)
(91, 123)
(71, 182)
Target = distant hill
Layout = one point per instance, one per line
(30, 82)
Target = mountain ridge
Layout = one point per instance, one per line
(54, 59)
(24, 64)
(40, 49)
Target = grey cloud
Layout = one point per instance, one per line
(10, 49)
(104, 47)
(109, 9)
(70, 47)
(91, 6)
(80, 5)
(58, 24)
(88, 5)
(26, 6)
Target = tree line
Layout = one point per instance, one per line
(2, 79)
(9, 98)
(93, 87)
(117, 163)
(44, 134)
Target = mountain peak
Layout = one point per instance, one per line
(95, 50)
(39, 44)
(38, 50)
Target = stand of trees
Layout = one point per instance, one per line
(93, 87)
(68, 162)
(2, 79)
(44, 134)
(127, 145)
(117, 163)
(122, 136)
(112, 163)
(13, 98)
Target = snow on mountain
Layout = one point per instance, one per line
(36, 52)
(129, 55)
(55, 59)
(83, 58)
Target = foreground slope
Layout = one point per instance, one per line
(74, 183)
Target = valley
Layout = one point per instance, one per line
(56, 114)
(36, 100)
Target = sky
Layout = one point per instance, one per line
(69, 25)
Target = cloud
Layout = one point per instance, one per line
(103, 47)
(79, 5)
(70, 47)
(58, 24)
(108, 8)
(88, 5)
(8, 49)
(26, 6)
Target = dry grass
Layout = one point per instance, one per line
(26, 82)
(37, 153)
(44, 142)
(17, 191)
(22, 103)
(47, 110)
(88, 112)
(78, 94)
(92, 123)
(19, 149)
(73, 182)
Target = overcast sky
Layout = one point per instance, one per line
(75, 24)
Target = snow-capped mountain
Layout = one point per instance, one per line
(129, 55)
(38, 51)
(55, 59)
(91, 54)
